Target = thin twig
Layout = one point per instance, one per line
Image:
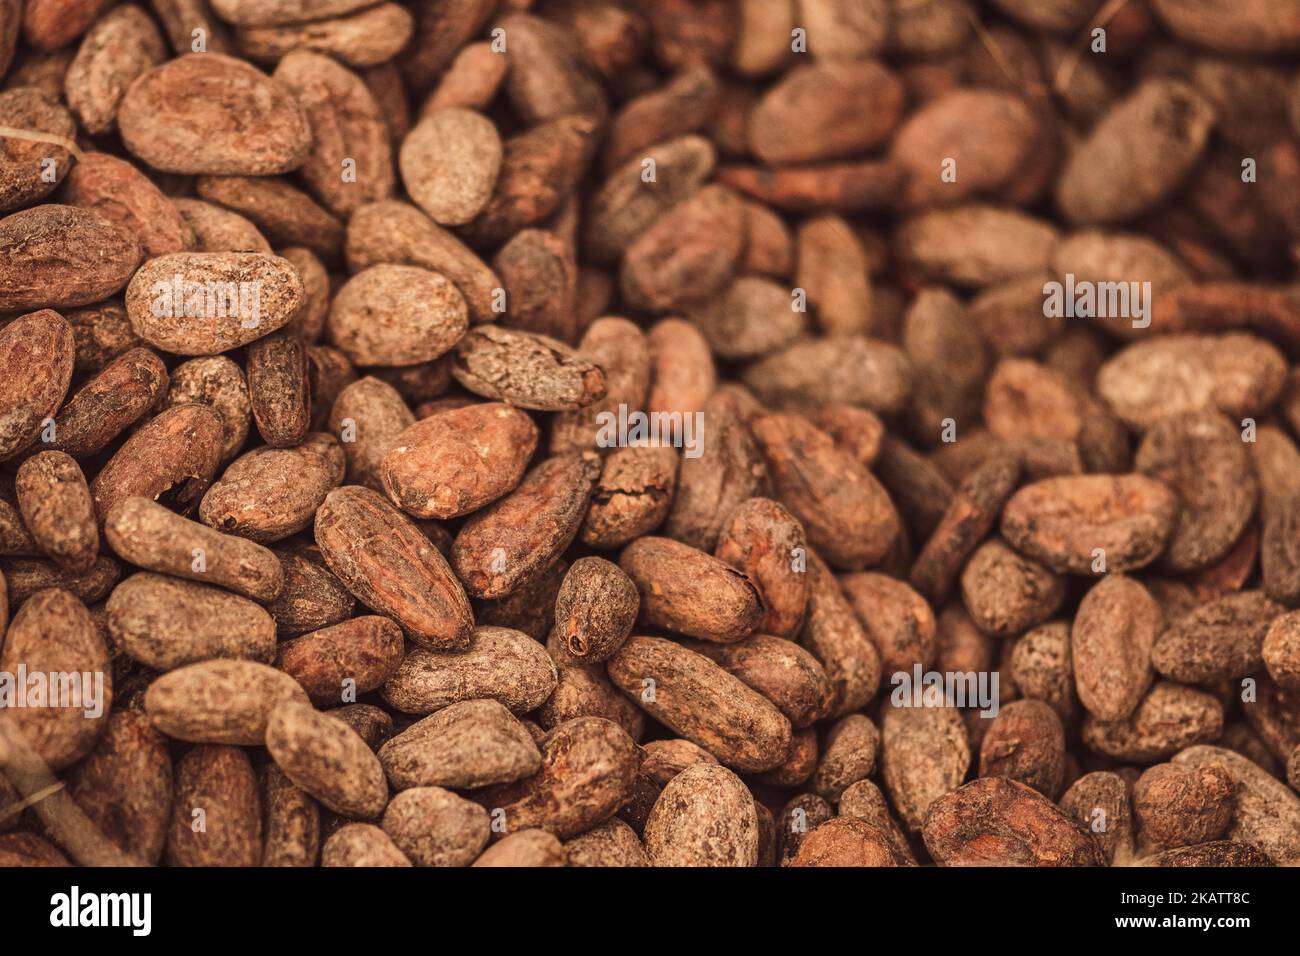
(10, 132)
(26, 802)
(65, 822)
(1000, 58)
(1070, 62)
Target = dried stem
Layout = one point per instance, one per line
(66, 823)
(1070, 62)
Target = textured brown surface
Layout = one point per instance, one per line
(1110, 641)
(595, 609)
(211, 113)
(780, 670)
(766, 542)
(291, 829)
(279, 389)
(129, 200)
(847, 515)
(125, 785)
(397, 315)
(120, 395)
(216, 815)
(527, 848)
(999, 822)
(220, 383)
(924, 755)
(56, 507)
(514, 540)
(1167, 719)
(338, 662)
(470, 744)
(36, 358)
(1181, 806)
(164, 622)
(434, 827)
(847, 841)
(1200, 457)
(588, 768)
(172, 458)
(361, 844)
(389, 565)
(1060, 521)
(835, 637)
(934, 496)
(704, 817)
(690, 592)
(526, 370)
(218, 702)
(271, 493)
(1100, 803)
(699, 700)
(21, 181)
(1219, 639)
(498, 662)
(327, 759)
(1267, 813)
(456, 462)
(53, 633)
(148, 535)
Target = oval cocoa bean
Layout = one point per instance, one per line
(203, 303)
(54, 634)
(220, 383)
(998, 822)
(392, 567)
(125, 785)
(456, 462)
(219, 702)
(327, 759)
(1069, 523)
(1114, 630)
(846, 514)
(56, 506)
(699, 700)
(150, 536)
(61, 256)
(374, 414)
(766, 543)
(704, 817)
(526, 370)
(171, 459)
(211, 113)
(780, 670)
(271, 493)
(499, 664)
(501, 548)
(37, 352)
(119, 396)
(216, 784)
(588, 770)
(466, 745)
(164, 623)
(338, 662)
(397, 315)
(1169, 718)
(924, 755)
(691, 592)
